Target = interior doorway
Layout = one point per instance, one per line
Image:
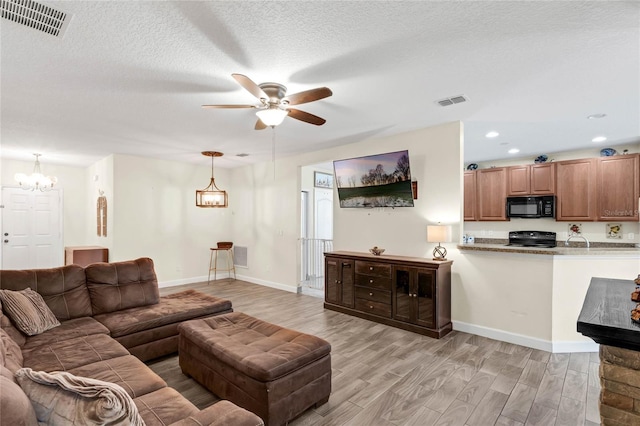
(31, 223)
(316, 226)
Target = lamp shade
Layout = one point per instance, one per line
(438, 233)
(272, 116)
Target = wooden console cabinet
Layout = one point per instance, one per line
(405, 292)
(85, 255)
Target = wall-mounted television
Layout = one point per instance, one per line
(382, 180)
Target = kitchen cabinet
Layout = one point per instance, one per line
(470, 195)
(339, 277)
(491, 194)
(617, 181)
(576, 190)
(531, 179)
(405, 292)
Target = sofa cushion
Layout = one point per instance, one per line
(15, 407)
(10, 329)
(121, 285)
(28, 311)
(126, 371)
(77, 327)
(68, 354)
(10, 353)
(171, 309)
(222, 413)
(62, 398)
(64, 288)
(163, 407)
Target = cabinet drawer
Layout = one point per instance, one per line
(373, 281)
(376, 308)
(373, 268)
(373, 295)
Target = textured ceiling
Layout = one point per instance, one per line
(129, 77)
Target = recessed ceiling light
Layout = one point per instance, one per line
(513, 151)
(599, 139)
(492, 134)
(594, 116)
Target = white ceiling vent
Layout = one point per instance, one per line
(35, 15)
(452, 100)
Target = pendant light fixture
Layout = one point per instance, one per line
(211, 196)
(36, 180)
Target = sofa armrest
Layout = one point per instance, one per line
(222, 413)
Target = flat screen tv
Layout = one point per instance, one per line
(382, 180)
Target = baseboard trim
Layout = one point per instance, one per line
(528, 341)
(258, 281)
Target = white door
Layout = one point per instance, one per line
(31, 229)
(323, 204)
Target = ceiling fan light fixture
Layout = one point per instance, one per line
(272, 116)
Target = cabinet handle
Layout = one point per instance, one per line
(371, 268)
(346, 264)
(370, 294)
(371, 307)
(338, 282)
(370, 281)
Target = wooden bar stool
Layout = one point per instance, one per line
(213, 260)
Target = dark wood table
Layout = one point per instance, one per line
(606, 314)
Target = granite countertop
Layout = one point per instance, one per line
(596, 249)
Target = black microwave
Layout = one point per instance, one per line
(531, 207)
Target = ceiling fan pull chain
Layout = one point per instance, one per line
(273, 150)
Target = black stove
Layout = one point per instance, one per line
(532, 239)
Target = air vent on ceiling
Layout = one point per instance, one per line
(242, 155)
(453, 100)
(35, 15)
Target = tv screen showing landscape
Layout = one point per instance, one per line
(382, 180)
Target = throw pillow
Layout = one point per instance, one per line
(28, 311)
(62, 398)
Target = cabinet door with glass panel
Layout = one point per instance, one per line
(413, 295)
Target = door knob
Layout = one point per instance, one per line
(6, 241)
(6, 234)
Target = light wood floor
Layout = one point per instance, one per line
(386, 376)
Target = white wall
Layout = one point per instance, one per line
(154, 215)
(266, 218)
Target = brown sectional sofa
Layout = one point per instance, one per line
(109, 312)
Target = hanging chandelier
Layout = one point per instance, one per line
(211, 196)
(36, 180)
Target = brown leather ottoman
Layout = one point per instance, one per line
(272, 371)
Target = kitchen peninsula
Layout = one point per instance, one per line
(533, 296)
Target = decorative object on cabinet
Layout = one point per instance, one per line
(614, 230)
(36, 180)
(322, 180)
(376, 251)
(211, 196)
(541, 159)
(637, 280)
(381, 180)
(472, 166)
(439, 234)
(575, 229)
(410, 293)
(607, 152)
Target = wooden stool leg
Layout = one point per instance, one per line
(215, 267)
(233, 264)
(210, 261)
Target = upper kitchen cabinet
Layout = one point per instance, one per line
(576, 189)
(532, 179)
(491, 194)
(617, 188)
(470, 195)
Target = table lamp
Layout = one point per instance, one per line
(439, 234)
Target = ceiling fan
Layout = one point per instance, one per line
(274, 102)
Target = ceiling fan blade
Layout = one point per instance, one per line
(308, 96)
(260, 125)
(306, 117)
(250, 86)
(229, 106)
